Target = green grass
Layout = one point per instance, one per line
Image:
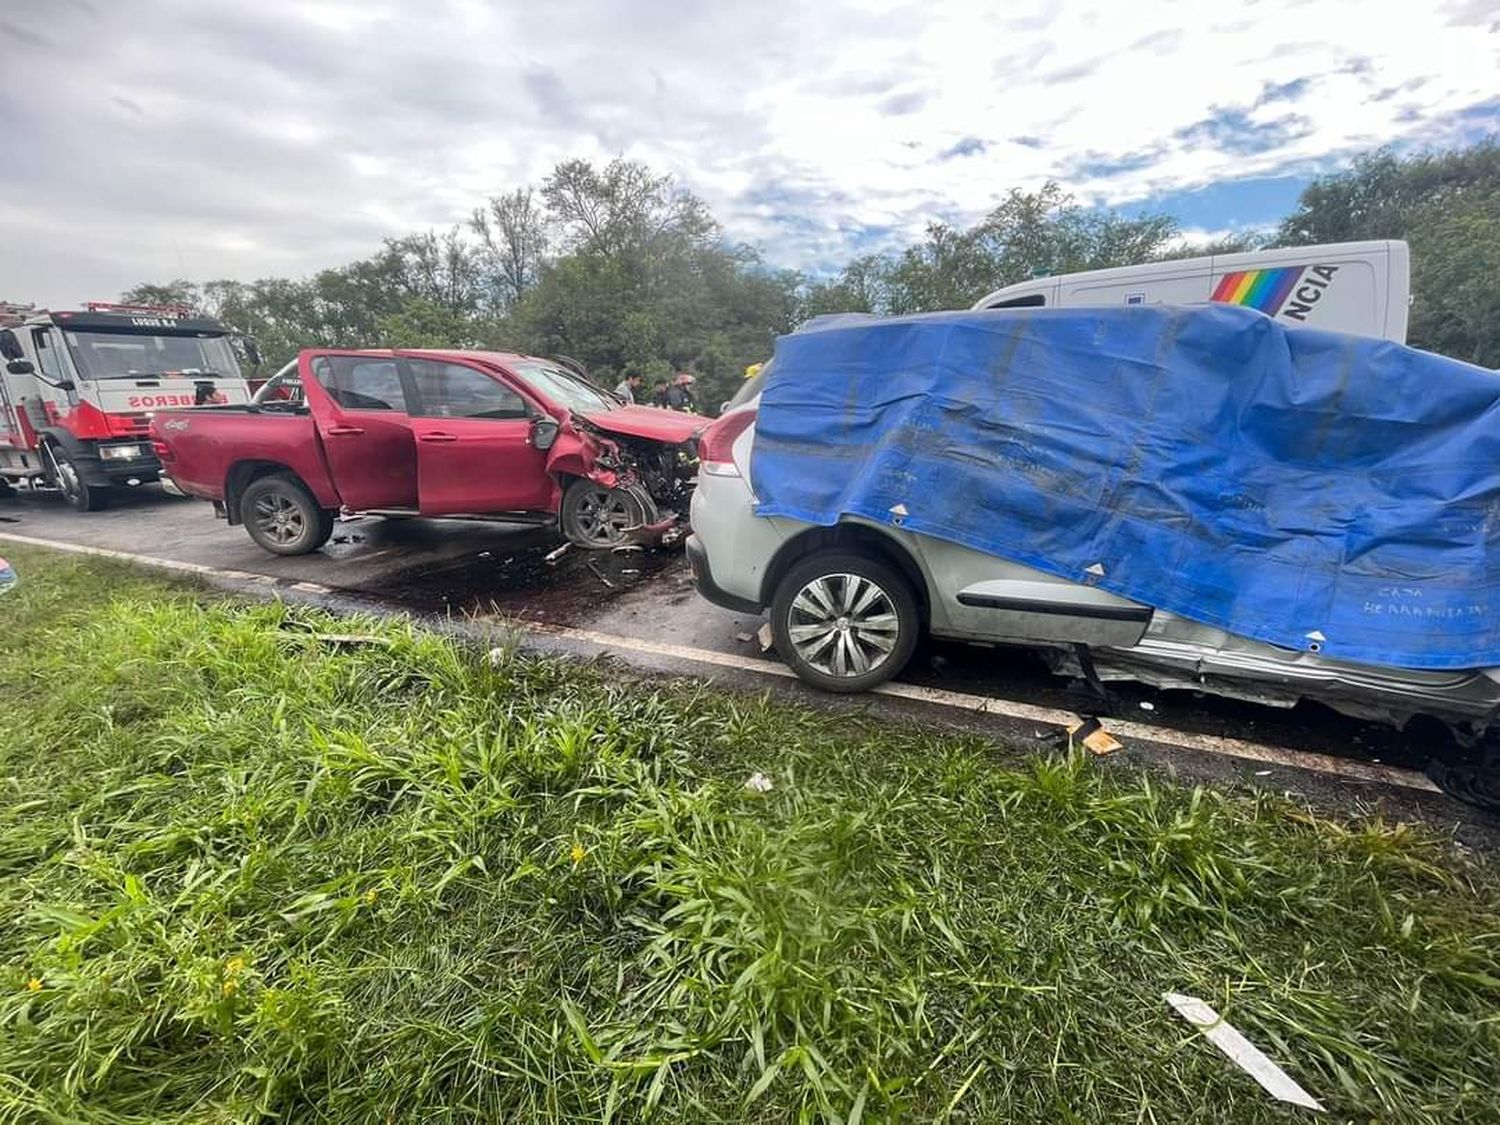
(246, 872)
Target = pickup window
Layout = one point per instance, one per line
(451, 390)
(360, 382)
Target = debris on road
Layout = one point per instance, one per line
(1091, 733)
(553, 556)
(1240, 1050)
(767, 642)
(744, 638)
(759, 783)
(599, 574)
(1147, 705)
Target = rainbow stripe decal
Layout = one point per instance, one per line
(1265, 290)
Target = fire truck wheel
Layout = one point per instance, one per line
(282, 516)
(80, 495)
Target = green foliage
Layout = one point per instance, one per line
(1447, 206)
(1028, 234)
(178, 292)
(246, 872)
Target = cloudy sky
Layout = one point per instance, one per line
(219, 138)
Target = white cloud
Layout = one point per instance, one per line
(207, 138)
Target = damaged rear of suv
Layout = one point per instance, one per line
(432, 433)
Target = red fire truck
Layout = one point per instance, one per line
(78, 389)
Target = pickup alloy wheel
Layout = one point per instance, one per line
(281, 515)
(597, 517)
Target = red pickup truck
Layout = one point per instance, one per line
(430, 433)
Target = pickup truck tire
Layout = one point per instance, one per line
(844, 622)
(63, 475)
(596, 518)
(282, 516)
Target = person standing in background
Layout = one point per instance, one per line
(680, 395)
(628, 387)
(660, 394)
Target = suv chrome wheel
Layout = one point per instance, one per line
(845, 622)
(843, 625)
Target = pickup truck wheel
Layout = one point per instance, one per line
(844, 623)
(64, 476)
(282, 516)
(596, 518)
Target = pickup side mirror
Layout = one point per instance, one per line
(66, 385)
(20, 367)
(10, 347)
(544, 432)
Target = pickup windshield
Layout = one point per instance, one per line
(121, 355)
(563, 387)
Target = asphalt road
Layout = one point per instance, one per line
(484, 573)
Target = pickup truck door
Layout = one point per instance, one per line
(474, 451)
(358, 402)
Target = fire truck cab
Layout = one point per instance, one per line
(77, 390)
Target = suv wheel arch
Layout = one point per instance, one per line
(856, 537)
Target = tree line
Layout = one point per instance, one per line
(623, 269)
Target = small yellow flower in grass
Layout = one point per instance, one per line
(370, 896)
(34, 984)
(578, 852)
(230, 988)
(234, 966)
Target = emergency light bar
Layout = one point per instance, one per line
(138, 310)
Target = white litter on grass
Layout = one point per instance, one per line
(1240, 1050)
(759, 782)
(1146, 705)
(1262, 773)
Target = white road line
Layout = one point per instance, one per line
(979, 704)
(147, 560)
(1025, 712)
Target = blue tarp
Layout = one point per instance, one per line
(1311, 490)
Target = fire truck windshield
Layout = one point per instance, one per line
(120, 355)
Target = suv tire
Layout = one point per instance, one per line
(844, 622)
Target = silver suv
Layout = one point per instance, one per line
(849, 602)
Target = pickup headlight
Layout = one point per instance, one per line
(122, 452)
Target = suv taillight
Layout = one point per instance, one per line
(716, 444)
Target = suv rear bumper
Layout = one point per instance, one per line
(703, 579)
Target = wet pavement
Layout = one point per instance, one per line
(486, 570)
